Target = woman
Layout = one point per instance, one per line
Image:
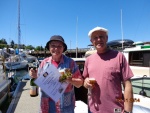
(66, 103)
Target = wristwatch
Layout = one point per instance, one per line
(127, 111)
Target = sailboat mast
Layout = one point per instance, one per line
(19, 34)
(77, 38)
(121, 29)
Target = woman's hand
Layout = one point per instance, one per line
(33, 73)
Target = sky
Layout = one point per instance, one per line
(73, 19)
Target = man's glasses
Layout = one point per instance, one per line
(54, 46)
(97, 37)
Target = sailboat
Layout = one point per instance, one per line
(17, 61)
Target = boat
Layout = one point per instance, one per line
(28, 57)
(4, 83)
(90, 51)
(80, 93)
(117, 44)
(15, 62)
(138, 58)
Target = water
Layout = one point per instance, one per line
(19, 74)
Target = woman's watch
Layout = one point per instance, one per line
(127, 111)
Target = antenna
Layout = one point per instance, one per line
(76, 38)
(121, 29)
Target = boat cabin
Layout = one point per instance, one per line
(138, 58)
(80, 93)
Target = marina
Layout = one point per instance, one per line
(26, 29)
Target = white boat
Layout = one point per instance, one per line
(90, 51)
(138, 58)
(80, 93)
(28, 57)
(16, 62)
(4, 84)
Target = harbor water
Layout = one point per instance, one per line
(19, 74)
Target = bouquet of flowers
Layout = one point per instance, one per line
(65, 75)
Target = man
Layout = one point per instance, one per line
(56, 45)
(110, 69)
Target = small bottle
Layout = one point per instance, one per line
(33, 88)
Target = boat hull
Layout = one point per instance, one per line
(4, 90)
(16, 65)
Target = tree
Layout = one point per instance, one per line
(39, 48)
(30, 47)
(12, 44)
(3, 46)
(3, 41)
(23, 46)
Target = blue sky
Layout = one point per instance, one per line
(40, 19)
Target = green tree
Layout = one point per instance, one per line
(23, 46)
(30, 47)
(3, 41)
(39, 48)
(12, 44)
(3, 46)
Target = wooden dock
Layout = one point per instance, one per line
(23, 103)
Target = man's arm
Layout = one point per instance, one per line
(128, 96)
